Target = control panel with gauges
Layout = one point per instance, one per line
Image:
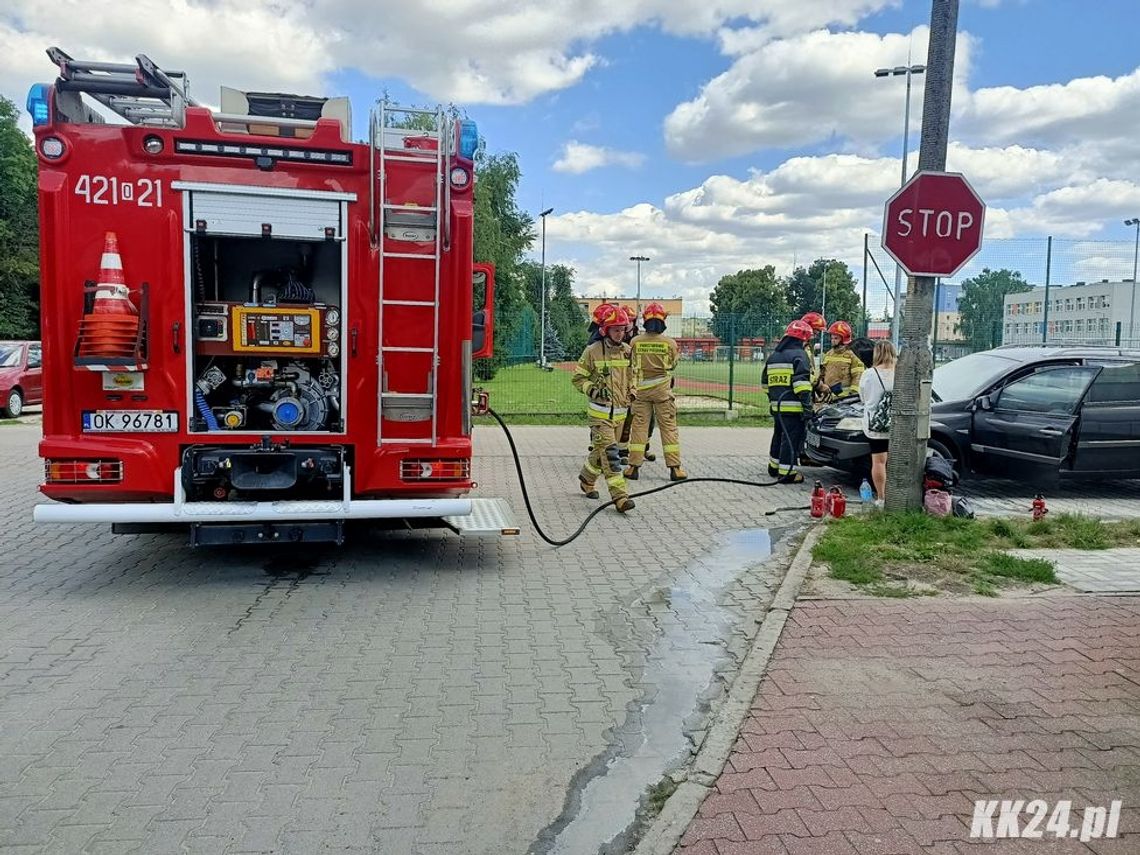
(237, 329)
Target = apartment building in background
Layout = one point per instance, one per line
(1084, 312)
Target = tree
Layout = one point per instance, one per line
(805, 290)
(563, 313)
(748, 303)
(19, 230)
(982, 304)
(503, 233)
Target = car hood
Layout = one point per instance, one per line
(842, 410)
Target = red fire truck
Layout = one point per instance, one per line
(254, 327)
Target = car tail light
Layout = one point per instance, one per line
(83, 471)
(435, 470)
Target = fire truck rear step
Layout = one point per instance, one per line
(488, 518)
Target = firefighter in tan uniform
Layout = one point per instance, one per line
(654, 358)
(841, 368)
(605, 377)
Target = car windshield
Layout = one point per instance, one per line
(963, 379)
(9, 355)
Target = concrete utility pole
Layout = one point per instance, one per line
(639, 259)
(542, 333)
(910, 406)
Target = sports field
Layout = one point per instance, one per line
(527, 389)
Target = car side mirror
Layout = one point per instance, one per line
(983, 402)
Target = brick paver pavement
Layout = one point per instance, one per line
(410, 692)
(1096, 571)
(879, 723)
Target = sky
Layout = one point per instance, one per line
(709, 136)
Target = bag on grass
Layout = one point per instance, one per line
(938, 503)
(963, 507)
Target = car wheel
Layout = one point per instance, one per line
(14, 405)
(941, 450)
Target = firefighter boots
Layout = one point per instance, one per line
(677, 473)
(631, 472)
(624, 505)
(587, 489)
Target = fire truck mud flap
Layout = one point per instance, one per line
(488, 518)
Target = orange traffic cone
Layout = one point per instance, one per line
(111, 328)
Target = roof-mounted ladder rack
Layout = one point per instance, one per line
(142, 93)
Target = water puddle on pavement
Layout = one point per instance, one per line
(686, 631)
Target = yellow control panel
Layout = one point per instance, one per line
(259, 329)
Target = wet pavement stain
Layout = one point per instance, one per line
(688, 632)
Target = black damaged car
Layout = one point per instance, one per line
(1034, 413)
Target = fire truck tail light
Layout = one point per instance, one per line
(468, 139)
(460, 177)
(38, 104)
(153, 145)
(435, 470)
(52, 148)
(83, 471)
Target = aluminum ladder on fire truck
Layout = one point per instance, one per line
(408, 222)
(142, 93)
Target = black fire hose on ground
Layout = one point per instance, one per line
(589, 517)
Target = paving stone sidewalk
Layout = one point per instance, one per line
(878, 725)
(1100, 571)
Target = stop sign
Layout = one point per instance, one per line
(933, 224)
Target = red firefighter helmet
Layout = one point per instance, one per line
(800, 330)
(815, 321)
(616, 317)
(654, 311)
(843, 330)
(601, 312)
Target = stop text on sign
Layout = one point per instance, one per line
(945, 223)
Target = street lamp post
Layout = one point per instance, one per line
(639, 259)
(1135, 221)
(542, 323)
(909, 71)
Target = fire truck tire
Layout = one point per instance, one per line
(14, 405)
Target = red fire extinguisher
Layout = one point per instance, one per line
(818, 501)
(836, 503)
(1039, 509)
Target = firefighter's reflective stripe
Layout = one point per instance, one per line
(801, 386)
(611, 363)
(616, 481)
(585, 372)
(606, 411)
(675, 448)
(656, 381)
(787, 406)
(638, 446)
(780, 373)
(592, 469)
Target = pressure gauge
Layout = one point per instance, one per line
(334, 349)
(333, 333)
(332, 317)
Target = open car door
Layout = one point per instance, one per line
(1027, 429)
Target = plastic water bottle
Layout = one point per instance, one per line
(866, 494)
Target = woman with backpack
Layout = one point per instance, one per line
(875, 390)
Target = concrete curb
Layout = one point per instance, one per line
(667, 829)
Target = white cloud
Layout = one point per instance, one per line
(467, 51)
(809, 88)
(579, 157)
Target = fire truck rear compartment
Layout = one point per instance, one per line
(266, 328)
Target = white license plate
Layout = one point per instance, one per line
(130, 421)
(813, 440)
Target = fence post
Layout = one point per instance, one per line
(866, 314)
(1048, 270)
(995, 332)
(731, 355)
(1119, 324)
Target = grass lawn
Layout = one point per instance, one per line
(526, 393)
(883, 552)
